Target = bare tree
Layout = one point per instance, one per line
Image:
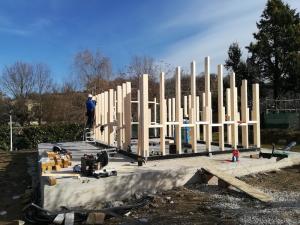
(18, 80)
(92, 68)
(42, 75)
(140, 65)
(43, 82)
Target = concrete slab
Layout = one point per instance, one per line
(154, 176)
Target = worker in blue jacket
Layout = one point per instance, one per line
(90, 111)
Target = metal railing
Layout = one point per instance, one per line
(282, 105)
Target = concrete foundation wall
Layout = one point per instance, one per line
(74, 193)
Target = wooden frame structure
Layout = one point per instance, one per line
(114, 111)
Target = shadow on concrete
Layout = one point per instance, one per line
(75, 193)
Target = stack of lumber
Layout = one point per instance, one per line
(55, 161)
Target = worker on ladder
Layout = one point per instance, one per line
(90, 112)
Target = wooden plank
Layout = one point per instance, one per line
(61, 175)
(207, 109)
(172, 123)
(124, 106)
(127, 113)
(198, 116)
(233, 116)
(162, 115)
(119, 116)
(245, 114)
(228, 115)
(221, 110)
(154, 115)
(173, 115)
(178, 115)
(69, 218)
(155, 126)
(111, 136)
(169, 117)
(192, 107)
(144, 116)
(255, 114)
(188, 125)
(241, 185)
(185, 105)
(105, 116)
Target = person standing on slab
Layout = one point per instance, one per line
(90, 111)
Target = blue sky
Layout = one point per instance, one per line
(175, 31)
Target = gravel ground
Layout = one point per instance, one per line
(203, 204)
(194, 204)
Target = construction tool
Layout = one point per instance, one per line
(92, 166)
(280, 153)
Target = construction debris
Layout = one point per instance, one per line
(95, 218)
(3, 213)
(52, 181)
(37, 215)
(69, 218)
(59, 219)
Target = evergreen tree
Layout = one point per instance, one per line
(235, 64)
(276, 51)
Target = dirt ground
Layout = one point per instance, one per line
(15, 183)
(194, 204)
(202, 204)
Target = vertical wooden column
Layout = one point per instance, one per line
(169, 117)
(256, 115)
(245, 114)
(198, 116)
(102, 114)
(144, 116)
(123, 114)
(203, 115)
(189, 104)
(192, 106)
(185, 105)
(178, 111)
(228, 113)
(99, 102)
(110, 116)
(127, 112)
(221, 109)
(162, 114)
(173, 115)
(207, 112)
(155, 117)
(96, 118)
(139, 152)
(106, 116)
(119, 116)
(138, 104)
(234, 114)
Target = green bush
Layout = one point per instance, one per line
(4, 137)
(30, 137)
(276, 136)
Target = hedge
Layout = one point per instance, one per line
(30, 137)
(279, 136)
